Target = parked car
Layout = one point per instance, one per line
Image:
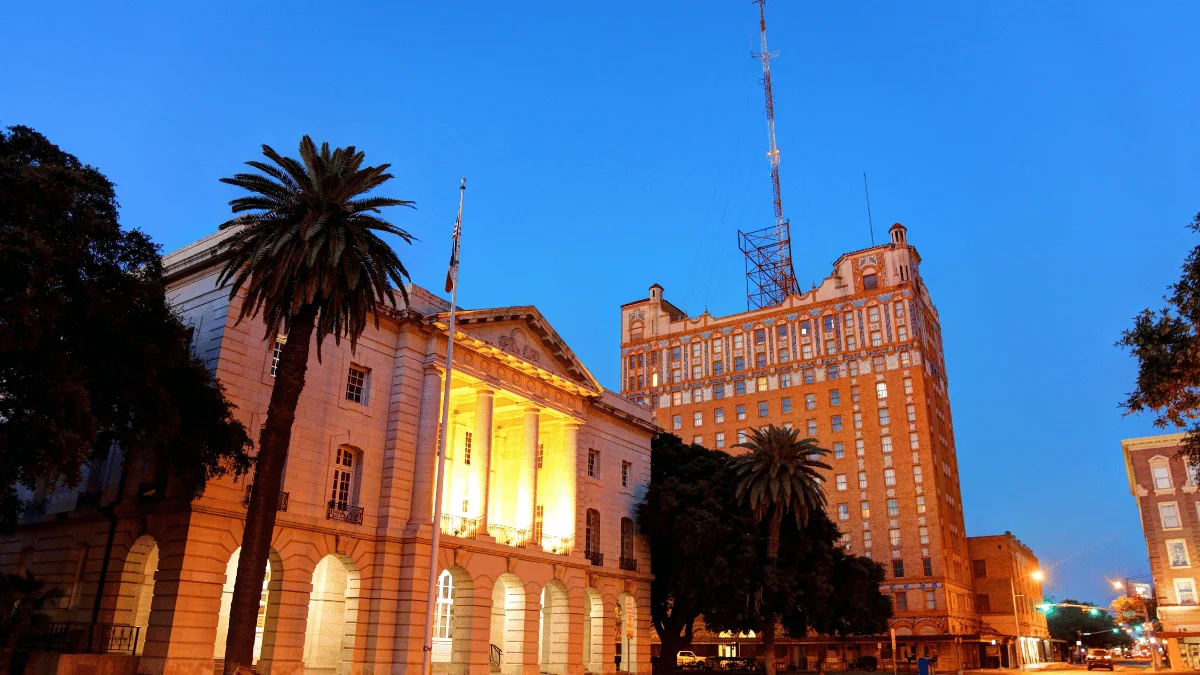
(1099, 658)
(688, 660)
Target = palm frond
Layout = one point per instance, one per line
(780, 469)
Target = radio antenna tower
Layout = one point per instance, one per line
(770, 277)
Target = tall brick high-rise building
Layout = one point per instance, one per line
(858, 364)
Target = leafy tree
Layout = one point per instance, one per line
(700, 543)
(1166, 345)
(1093, 629)
(22, 599)
(778, 475)
(91, 356)
(305, 250)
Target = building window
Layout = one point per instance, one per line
(760, 384)
(720, 439)
(739, 388)
(862, 480)
(696, 349)
(783, 355)
(1185, 591)
(905, 359)
(539, 519)
(917, 474)
(1177, 553)
(806, 352)
(697, 395)
(760, 360)
(717, 346)
(901, 333)
(1170, 515)
(881, 390)
(930, 600)
(870, 282)
(843, 512)
(781, 331)
(867, 540)
(443, 617)
(898, 569)
(914, 441)
(885, 418)
(276, 352)
(898, 306)
(810, 401)
(739, 364)
(831, 372)
(593, 464)
(741, 436)
(697, 419)
(921, 504)
(979, 569)
(675, 353)
(697, 372)
(812, 427)
(894, 537)
(885, 443)
(653, 379)
(785, 380)
(860, 447)
(467, 450)
(835, 397)
(828, 322)
(677, 422)
(762, 409)
(873, 314)
(785, 404)
(912, 413)
(697, 440)
(676, 375)
(719, 416)
(1161, 473)
(839, 450)
(851, 345)
(831, 346)
(836, 422)
(857, 420)
(878, 363)
(864, 509)
(840, 481)
(356, 383)
(677, 398)
(923, 533)
(810, 376)
(343, 479)
(737, 340)
(760, 336)
(889, 476)
(627, 551)
(908, 388)
(591, 541)
(854, 394)
(876, 338)
(804, 328)
(893, 507)
(718, 367)
(741, 411)
(901, 601)
(719, 391)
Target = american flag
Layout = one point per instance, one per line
(452, 271)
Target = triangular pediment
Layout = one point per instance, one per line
(524, 333)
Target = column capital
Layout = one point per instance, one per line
(530, 408)
(572, 423)
(483, 388)
(434, 366)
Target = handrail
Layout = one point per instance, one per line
(558, 545)
(68, 637)
(510, 536)
(596, 557)
(628, 564)
(344, 512)
(458, 526)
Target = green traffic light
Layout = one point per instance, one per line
(1093, 611)
(1116, 630)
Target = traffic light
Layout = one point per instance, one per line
(1045, 607)
(1093, 611)
(1116, 630)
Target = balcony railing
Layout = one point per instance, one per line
(83, 638)
(281, 506)
(344, 513)
(596, 557)
(509, 536)
(628, 564)
(558, 545)
(457, 526)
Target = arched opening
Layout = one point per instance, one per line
(332, 617)
(626, 638)
(507, 633)
(593, 632)
(552, 632)
(137, 585)
(453, 605)
(268, 608)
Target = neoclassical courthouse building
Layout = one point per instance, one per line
(542, 571)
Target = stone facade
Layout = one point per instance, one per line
(1169, 506)
(542, 569)
(1003, 570)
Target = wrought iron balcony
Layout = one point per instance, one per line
(509, 536)
(596, 557)
(558, 545)
(281, 506)
(344, 513)
(82, 638)
(628, 564)
(457, 526)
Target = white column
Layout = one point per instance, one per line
(425, 465)
(482, 448)
(527, 490)
(570, 477)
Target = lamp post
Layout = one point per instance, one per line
(1036, 575)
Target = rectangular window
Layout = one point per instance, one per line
(879, 363)
(697, 419)
(889, 476)
(923, 532)
(876, 338)
(1170, 515)
(854, 394)
(343, 479)
(697, 372)
(851, 345)
(785, 380)
(840, 481)
(805, 328)
(593, 464)
(860, 447)
(848, 319)
(654, 358)
(718, 367)
(881, 390)
(898, 569)
(356, 383)
(810, 376)
(905, 359)
(898, 306)
(696, 349)
(719, 415)
(835, 422)
(467, 448)
(862, 480)
(280, 341)
(843, 512)
(979, 569)
(839, 450)
(677, 421)
(884, 417)
(914, 441)
(741, 436)
(1177, 553)
(697, 395)
(894, 537)
(763, 409)
(912, 413)
(1162, 477)
(739, 364)
(676, 353)
(917, 474)
(760, 336)
(761, 383)
(806, 352)
(831, 346)
(908, 388)
(781, 331)
(784, 355)
(857, 420)
(739, 387)
(835, 397)
(719, 392)
(901, 601)
(741, 411)
(893, 507)
(760, 360)
(867, 540)
(828, 322)
(832, 372)
(901, 333)
(873, 314)
(676, 375)
(983, 603)
(1185, 591)
(812, 427)
(625, 467)
(920, 504)
(653, 379)
(885, 443)
(720, 439)
(930, 600)
(864, 508)
(677, 398)
(786, 404)
(717, 346)
(810, 401)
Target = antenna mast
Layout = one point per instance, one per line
(770, 277)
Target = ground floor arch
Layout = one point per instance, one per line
(332, 617)
(268, 607)
(553, 629)
(454, 602)
(141, 567)
(593, 631)
(507, 630)
(626, 637)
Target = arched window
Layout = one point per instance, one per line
(443, 619)
(345, 478)
(636, 330)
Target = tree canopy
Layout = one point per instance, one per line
(1166, 344)
(1098, 629)
(91, 356)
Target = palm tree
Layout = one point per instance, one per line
(22, 599)
(307, 252)
(778, 475)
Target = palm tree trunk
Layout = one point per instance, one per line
(260, 516)
(768, 629)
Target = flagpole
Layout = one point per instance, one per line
(452, 280)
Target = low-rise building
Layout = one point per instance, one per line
(1008, 590)
(1166, 492)
(542, 571)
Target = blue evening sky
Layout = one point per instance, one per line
(1045, 157)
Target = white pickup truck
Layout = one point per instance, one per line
(688, 660)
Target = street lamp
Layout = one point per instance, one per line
(1036, 575)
